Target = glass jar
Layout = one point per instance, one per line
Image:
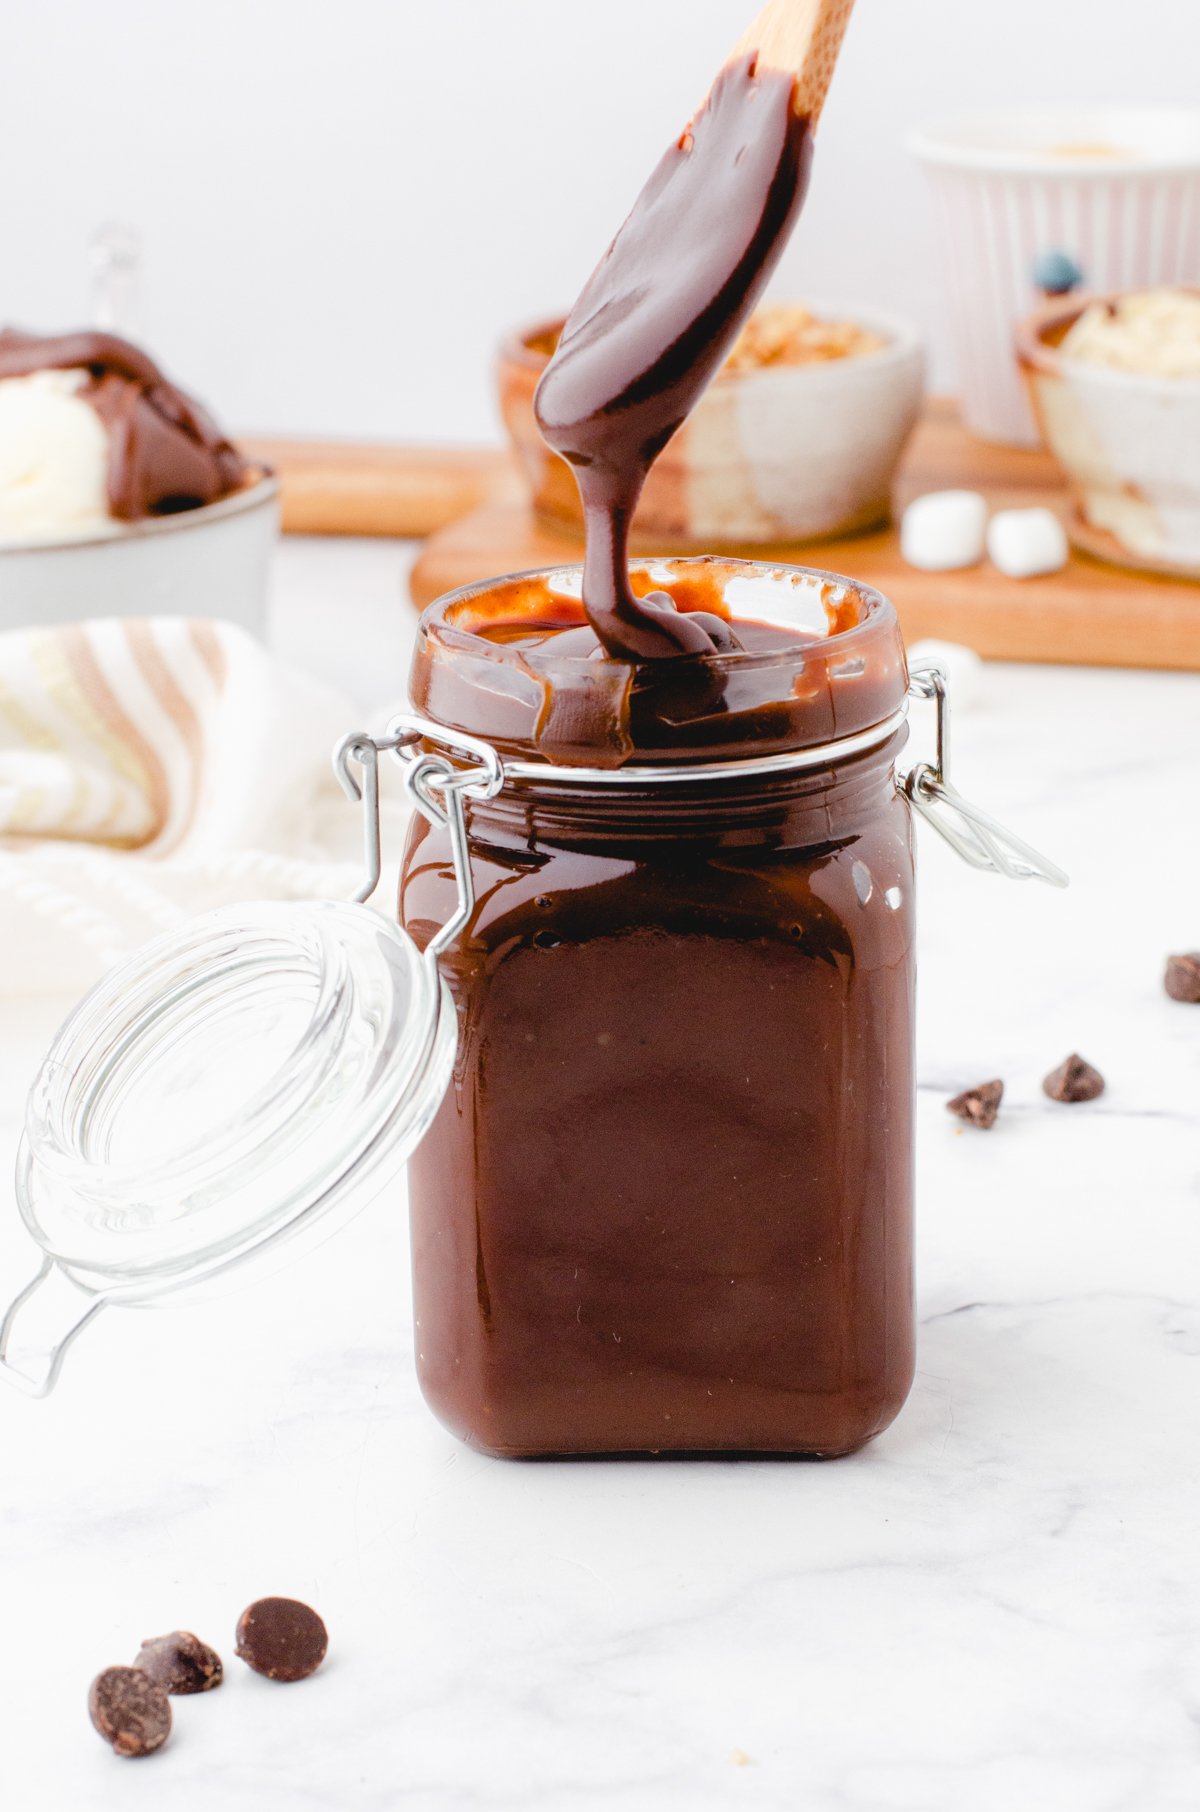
(644, 1031)
(666, 1204)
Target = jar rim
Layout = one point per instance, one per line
(877, 609)
(808, 689)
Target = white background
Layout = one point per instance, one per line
(344, 201)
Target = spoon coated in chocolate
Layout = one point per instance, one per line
(655, 322)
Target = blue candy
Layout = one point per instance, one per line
(1056, 273)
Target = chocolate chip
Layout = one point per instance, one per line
(180, 1663)
(281, 1638)
(979, 1106)
(1074, 1080)
(130, 1710)
(1182, 979)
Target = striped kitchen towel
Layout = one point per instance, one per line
(150, 769)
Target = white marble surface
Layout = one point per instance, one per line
(997, 1606)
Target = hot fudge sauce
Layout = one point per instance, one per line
(666, 1205)
(654, 324)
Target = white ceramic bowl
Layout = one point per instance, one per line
(1128, 444)
(1007, 191)
(208, 562)
(770, 456)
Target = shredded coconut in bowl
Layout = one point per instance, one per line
(785, 334)
(1153, 332)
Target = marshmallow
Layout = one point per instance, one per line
(944, 530)
(962, 667)
(1024, 543)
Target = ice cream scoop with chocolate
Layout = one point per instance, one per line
(93, 435)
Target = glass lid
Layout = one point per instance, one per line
(226, 1090)
(239, 1083)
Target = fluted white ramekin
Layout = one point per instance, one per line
(1117, 190)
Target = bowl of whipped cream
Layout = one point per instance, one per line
(119, 494)
(1114, 382)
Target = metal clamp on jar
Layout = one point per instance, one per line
(644, 1030)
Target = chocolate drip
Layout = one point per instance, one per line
(165, 451)
(654, 324)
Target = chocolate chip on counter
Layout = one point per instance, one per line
(130, 1710)
(1182, 979)
(1074, 1080)
(281, 1638)
(978, 1106)
(180, 1663)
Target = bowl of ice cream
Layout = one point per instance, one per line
(796, 439)
(1115, 385)
(1102, 195)
(119, 496)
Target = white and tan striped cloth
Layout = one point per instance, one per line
(150, 769)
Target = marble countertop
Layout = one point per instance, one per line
(995, 1606)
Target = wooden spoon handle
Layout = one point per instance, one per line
(803, 36)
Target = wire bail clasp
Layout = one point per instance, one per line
(438, 787)
(362, 750)
(972, 833)
(34, 1364)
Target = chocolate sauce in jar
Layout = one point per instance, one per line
(666, 1205)
(654, 324)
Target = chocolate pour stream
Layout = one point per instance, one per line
(654, 324)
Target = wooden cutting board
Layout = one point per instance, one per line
(1091, 613)
(342, 488)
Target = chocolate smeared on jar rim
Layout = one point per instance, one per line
(517, 661)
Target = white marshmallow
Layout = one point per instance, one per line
(1024, 543)
(944, 530)
(962, 667)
